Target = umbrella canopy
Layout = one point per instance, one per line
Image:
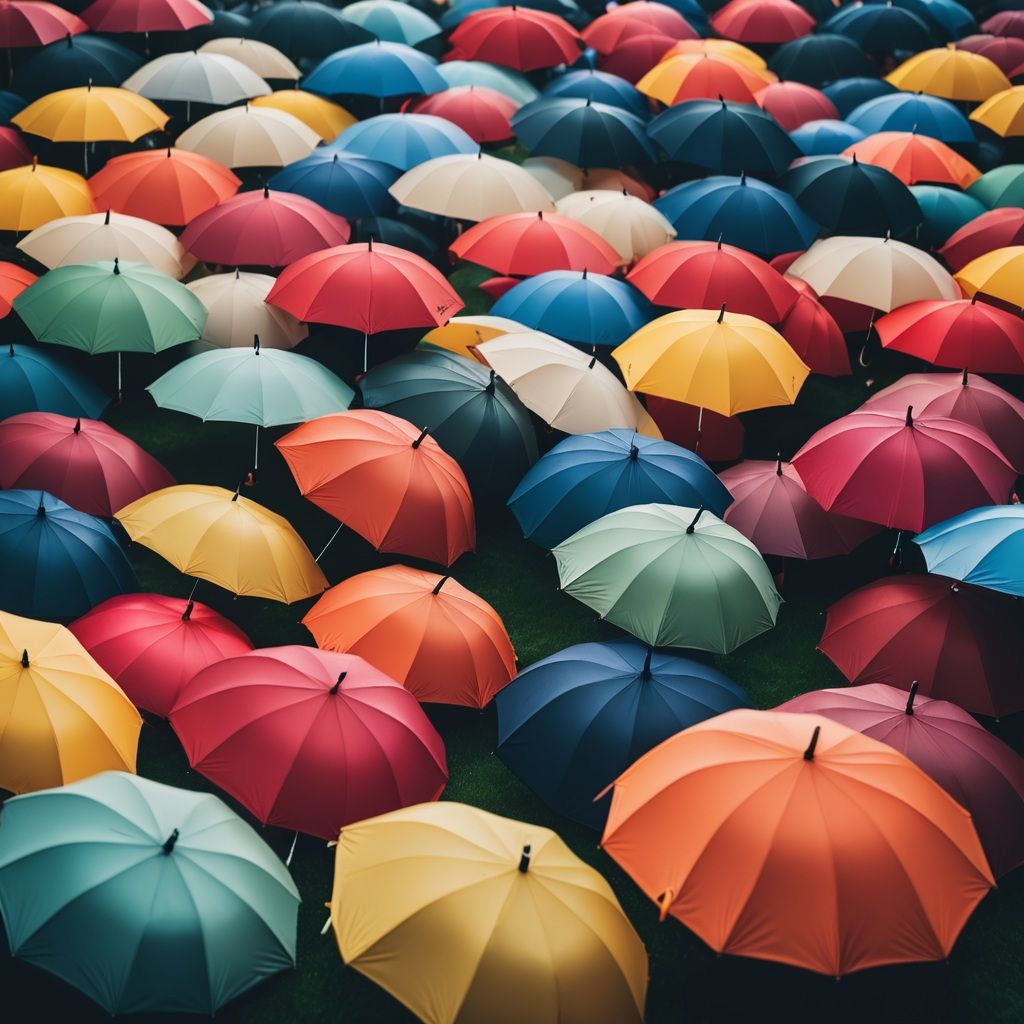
(720, 47)
(910, 112)
(392, 22)
(237, 311)
(36, 24)
(881, 28)
(227, 539)
(63, 717)
(471, 899)
(91, 114)
(375, 69)
(951, 73)
(813, 333)
(444, 644)
(1002, 113)
(827, 898)
(309, 740)
(1006, 52)
(405, 140)
(631, 226)
(915, 158)
(638, 53)
(250, 137)
(672, 576)
(33, 381)
(327, 119)
(762, 21)
(343, 183)
(13, 281)
(306, 29)
(197, 78)
(1001, 186)
(701, 76)
(33, 195)
(570, 723)
(606, 32)
(463, 333)
(516, 37)
(74, 61)
(484, 114)
(600, 87)
(386, 480)
(265, 60)
(826, 137)
(849, 93)
(13, 151)
(996, 273)
(512, 83)
(589, 475)
(821, 58)
(146, 15)
(944, 210)
(117, 885)
(793, 104)
(153, 645)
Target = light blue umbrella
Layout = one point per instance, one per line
(375, 69)
(32, 380)
(392, 22)
(849, 93)
(458, 10)
(513, 84)
(404, 140)
(601, 87)
(825, 137)
(344, 183)
(945, 210)
(913, 112)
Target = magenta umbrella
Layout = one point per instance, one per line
(978, 770)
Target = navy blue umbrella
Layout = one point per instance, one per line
(375, 69)
(569, 725)
(953, 18)
(601, 87)
(225, 24)
(10, 104)
(819, 59)
(881, 28)
(344, 183)
(404, 140)
(944, 210)
(32, 380)
(305, 29)
(913, 112)
(58, 562)
(397, 232)
(587, 309)
(849, 93)
(825, 138)
(75, 61)
(586, 476)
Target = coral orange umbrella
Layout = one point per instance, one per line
(762, 21)
(387, 480)
(915, 158)
(444, 644)
(791, 838)
(694, 76)
(36, 24)
(13, 281)
(516, 37)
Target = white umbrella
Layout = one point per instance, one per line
(266, 60)
(250, 137)
(238, 311)
(632, 227)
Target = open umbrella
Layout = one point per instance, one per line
(512, 83)
(13, 281)
(819, 59)
(849, 93)
(196, 77)
(250, 137)
(327, 119)
(13, 151)
(606, 32)
(600, 87)
(826, 137)
(881, 28)
(909, 112)
(1002, 113)
(145, 15)
(462, 334)
(237, 311)
(24, 25)
(31, 380)
(375, 69)
(793, 103)
(701, 76)
(813, 333)
(996, 273)
(1006, 52)
(33, 195)
(1000, 186)
(516, 37)
(915, 158)
(994, 229)
(341, 182)
(74, 61)
(265, 60)
(484, 114)
(638, 52)
(631, 226)
(405, 140)
(306, 29)
(944, 210)
(392, 22)
(951, 73)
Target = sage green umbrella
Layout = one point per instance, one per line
(671, 576)
(146, 898)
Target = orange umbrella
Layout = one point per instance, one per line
(387, 480)
(693, 76)
(789, 837)
(13, 281)
(438, 639)
(915, 158)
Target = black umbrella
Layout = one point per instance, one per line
(849, 93)
(819, 59)
(75, 61)
(306, 28)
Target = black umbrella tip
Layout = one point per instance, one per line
(910, 415)
(963, 379)
(169, 842)
(778, 464)
(117, 265)
(440, 583)
(67, 39)
(634, 453)
(419, 440)
(168, 152)
(106, 219)
(809, 752)
(524, 859)
(77, 429)
(337, 686)
(24, 658)
(187, 613)
(256, 344)
(10, 349)
(592, 363)
(489, 390)
(266, 191)
(694, 521)
(910, 697)
(646, 671)
(41, 511)
(721, 314)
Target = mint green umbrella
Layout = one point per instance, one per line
(672, 576)
(146, 898)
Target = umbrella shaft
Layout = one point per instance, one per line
(329, 543)
(256, 455)
(366, 351)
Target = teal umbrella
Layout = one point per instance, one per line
(391, 21)
(146, 898)
(513, 84)
(1002, 186)
(672, 576)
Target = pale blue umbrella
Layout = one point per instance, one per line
(392, 22)
(513, 84)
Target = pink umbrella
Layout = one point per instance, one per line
(793, 104)
(13, 151)
(146, 15)
(813, 333)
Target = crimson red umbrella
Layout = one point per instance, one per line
(85, 463)
(994, 229)
(495, 287)
(153, 645)
(1005, 23)
(13, 281)
(706, 275)
(958, 333)
(13, 151)
(267, 229)
(715, 437)
(813, 333)
(978, 770)
(524, 244)
(762, 21)
(957, 641)
(309, 740)
(1006, 52)
(606, 33)
(793, 104)
(636, 55)
(849, 316)
(146, 15)
(36, 23)
(771, 508)
(516, 37)
(485, 115)
(894, 470)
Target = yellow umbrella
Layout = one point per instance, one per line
(463, 333)
(36, 194)
(1002, 113)
(327, 119)
(950, 73)
(468, 917)
(630, 226)
(62, 718)
(726, 362)
(267, 61)
(214, 535)
(91, 114)
(250, 137)
(999, 273)
(722, 48)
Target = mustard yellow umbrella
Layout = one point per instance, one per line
(91, 113)
(1002, 113)
(950, 73)
(34, 195)
(219, 536)
(62, 718)
(726, 362)
(999, 273)
(327, 119)
(463, 333)
(468, 917)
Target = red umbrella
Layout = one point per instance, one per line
(813, 333)
(979, 771)
(36, 23)
(153, 645)
(13, 151)
(960, 396)
(849, 316)
(267, 229)
(483, 114)
(793, 104)
(85, 463)
(771, 508)
(606, 33)
(958, 642)
(1006, 52)
(717, 438)
(495, 287)
(706, 275)
(1005, 23)
(958, 333)
(524, 244)
(762, 21)
(993, 229)
(516, 37)
(616, 179)
(146, 15)
(13, 281)
(636, 55)
(309, 740)
(891, 469)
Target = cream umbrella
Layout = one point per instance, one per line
(632, 227)
(570, 390)
(559, 177)
(327, 119)
(462, 334)
(106, 236)
(468, 187)
(250, 137)
(262, 58)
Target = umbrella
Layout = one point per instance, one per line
(485, 919)
(59, 562)
(881, 28)
(950, 73)
(996, 273)
(418, 238)
(826, 137)
(223, 25)
(726, 362)
(197, 78)
(606, 32)
(1006, 52)
(392, 22)
(587, 476)
(341, 182)
(325, 118)
(250, 137)
(75, 61)
(306, 29)
(439, 640)
(309, 740)
(1004, 23)
(762, 21)
(63, 717)
(589, 309)
(33, 195)
(909, 112)
(483, 114)
(898, 471)
(516, 37)
(600, 87)
(849, 93)
(793, 104)
(227, 539)
(717, 438)
(639, 52)
(375, 69)
(837, 897)
(994, 229)
(386, 480)
(957, 642)
(13, 281)
(169, 187)
(915, 158)
(153, 645)
(144, 897)
(631, 226)
(1002, 113)
(475, 418)
(265, 60)
(570, 723)
(31, 380)
(945, 210)
(405, 140)
(463, 333)
(561, 179)
(13, 151)
(820, 59)
(719, 47)
(145, 15)
(696, 76)
(512, 83)
(1001, 186)
(813, 333)
(36, 24)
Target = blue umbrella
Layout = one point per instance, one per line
(693, 12)
(587, 476)
(825, 138)
(947, 19)
(600, 87)
(391, 21)
(375, 69)
(305, 28)
(344, 183)
(740, 211)
(75, 61)
(396, 232)
(32, 380)
(513, 84)
(945, 210)
(820, 58)
(587, 309)
(404, 140)
(459, 10)
(910, 112)
(10, 104)
(881, 28)
(569, 725)
(58, 563)
(567, 9)
(849, 93)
